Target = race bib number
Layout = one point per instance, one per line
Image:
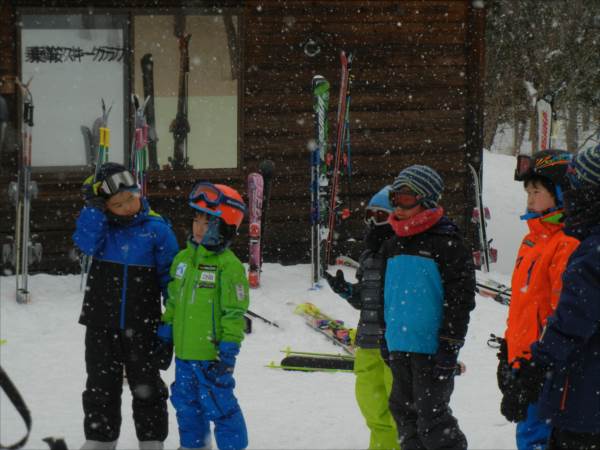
(208, 276)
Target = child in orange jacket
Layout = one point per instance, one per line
(536, 283)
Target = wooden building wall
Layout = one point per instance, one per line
(416, 98)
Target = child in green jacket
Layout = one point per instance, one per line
(204, 318)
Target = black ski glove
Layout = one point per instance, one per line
(163, 353)
(338, 284)
(532, 376)
(514, 403)
(523, 390)
(446, 360)
(504, 373)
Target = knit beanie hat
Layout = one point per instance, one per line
(422, 180)
(585, 168)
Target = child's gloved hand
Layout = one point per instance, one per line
(90, 196)
(514, 404)
(163, 355)
(338, 284)
(446, 361)
(504, 372)
(228, 352)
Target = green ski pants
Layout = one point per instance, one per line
(373, 386)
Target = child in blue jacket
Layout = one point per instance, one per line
(429, 292)
(132, 249)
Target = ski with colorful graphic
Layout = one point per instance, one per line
(332, 329)
(266, 169)
(255, 201)
(318, 176)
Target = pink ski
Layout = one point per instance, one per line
(255, 199)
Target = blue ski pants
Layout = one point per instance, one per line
(201, 395)
(533, 432)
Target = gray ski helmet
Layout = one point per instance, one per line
(114, 178)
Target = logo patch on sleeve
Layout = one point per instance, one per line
(180, 270)
(240, 292)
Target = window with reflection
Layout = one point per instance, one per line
(195, 112)
(74, 62)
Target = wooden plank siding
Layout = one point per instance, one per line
(416, 98)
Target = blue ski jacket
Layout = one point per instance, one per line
(570, 343)
(429, 289)
(130, 267)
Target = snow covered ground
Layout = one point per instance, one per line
(284, 410)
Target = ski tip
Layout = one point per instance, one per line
(266, 168)
(253, 280)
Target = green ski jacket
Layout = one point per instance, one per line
(208, 296)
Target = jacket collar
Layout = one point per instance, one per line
(549, 224)
(416, 224)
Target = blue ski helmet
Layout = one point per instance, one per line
(379, 208)
(381, 200)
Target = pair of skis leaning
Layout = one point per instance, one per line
(325, 169)
(23, 251)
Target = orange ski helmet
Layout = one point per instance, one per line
(218, 200)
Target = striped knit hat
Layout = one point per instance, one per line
(585, 167)
(422, 180)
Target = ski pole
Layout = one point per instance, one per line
(267, 321)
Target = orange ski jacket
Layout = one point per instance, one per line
(536, 282)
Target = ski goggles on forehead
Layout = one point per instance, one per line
(405, 199)
(118, 182)
(376, 216)
(212, 196)
(524, 167)
(206, 192)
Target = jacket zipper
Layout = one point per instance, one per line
(194, 286)
(563, 399)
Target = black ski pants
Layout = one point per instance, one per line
(570, 440)
(419, 404)
(107, 352)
